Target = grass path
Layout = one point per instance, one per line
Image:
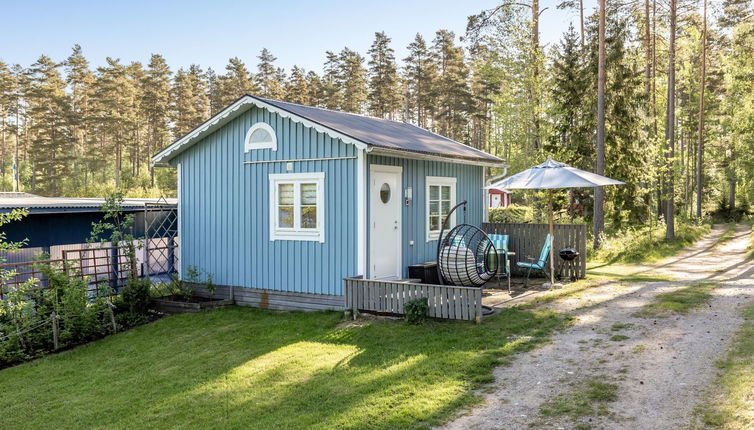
(730, 404)
(656, 343)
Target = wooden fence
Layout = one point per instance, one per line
(107, 265)
(526, 240)
(445, 301)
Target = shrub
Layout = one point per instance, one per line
(130, 319)
(512, 214)
(136, 296)
(416, 310)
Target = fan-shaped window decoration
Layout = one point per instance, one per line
(260, 136)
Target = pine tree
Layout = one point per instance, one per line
(451, 93)
(419, 75)
(190, 103)
(670, 126)
(352, 81)
(236, 82)
(599, 159)
(297, 89)
(80, 81)
(8, 86)
(485, 83)
(117, 96)
(572, 103)
(330, 92)
(384, 96)
(156, 106)
(269, 79)
(51, 138)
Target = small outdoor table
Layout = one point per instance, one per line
(500, 260)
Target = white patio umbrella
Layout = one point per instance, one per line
(548, 176)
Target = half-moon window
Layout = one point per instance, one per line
(260, 136)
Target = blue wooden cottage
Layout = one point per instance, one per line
(280, 202)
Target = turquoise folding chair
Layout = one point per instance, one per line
(500, 242)
(540, 264)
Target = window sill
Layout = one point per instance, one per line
(315, 236)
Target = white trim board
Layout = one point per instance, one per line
(181, 241)
(451, 181)
(248, 145)
(297, 233)
(399, 246)
(361, 212)
(231, 112)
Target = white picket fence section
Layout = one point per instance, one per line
(445, 301)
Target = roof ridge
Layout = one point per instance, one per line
(342, 112)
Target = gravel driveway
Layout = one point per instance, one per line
(660, 366)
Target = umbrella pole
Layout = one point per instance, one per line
(552, 244)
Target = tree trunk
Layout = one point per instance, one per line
(670, 128)
(700, 145)
(535, 71)
(647, 63)
(654, 67)
(581, 20)
(599, 162)
(16, 171)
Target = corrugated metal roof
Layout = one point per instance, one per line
(10, 201)
(385, 133)
(363, 131)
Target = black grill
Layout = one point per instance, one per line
(569, 254)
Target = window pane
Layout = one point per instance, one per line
(434, 223)
(434, 192)
(285, 216)
(445, 207)
(285, 194)
(446, 192)
(385, 192)
(260, 136)
(434, 208)
(308, 194)
(309, 217)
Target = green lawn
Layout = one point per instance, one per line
(645, 245)
(249, 368)
(680, 301)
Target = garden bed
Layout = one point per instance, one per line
(175, 304)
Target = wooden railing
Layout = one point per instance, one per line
(445, 301)
(526, 240)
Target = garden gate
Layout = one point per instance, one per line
(161, 241)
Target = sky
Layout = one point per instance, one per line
(209, 32)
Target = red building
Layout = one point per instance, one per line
(499, 199)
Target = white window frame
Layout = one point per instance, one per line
(297, 233)
(439, 181)
(249, 146)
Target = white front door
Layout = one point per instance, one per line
(385, 222)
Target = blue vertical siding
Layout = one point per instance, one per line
(470, 181)
(225, 209)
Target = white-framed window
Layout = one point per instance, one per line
(260, 136)
(441, 196)
(297, 206)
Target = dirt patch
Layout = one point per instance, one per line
(660, 366)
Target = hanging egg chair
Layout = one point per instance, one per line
(462, 254)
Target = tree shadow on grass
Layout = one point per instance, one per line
(246, 368)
